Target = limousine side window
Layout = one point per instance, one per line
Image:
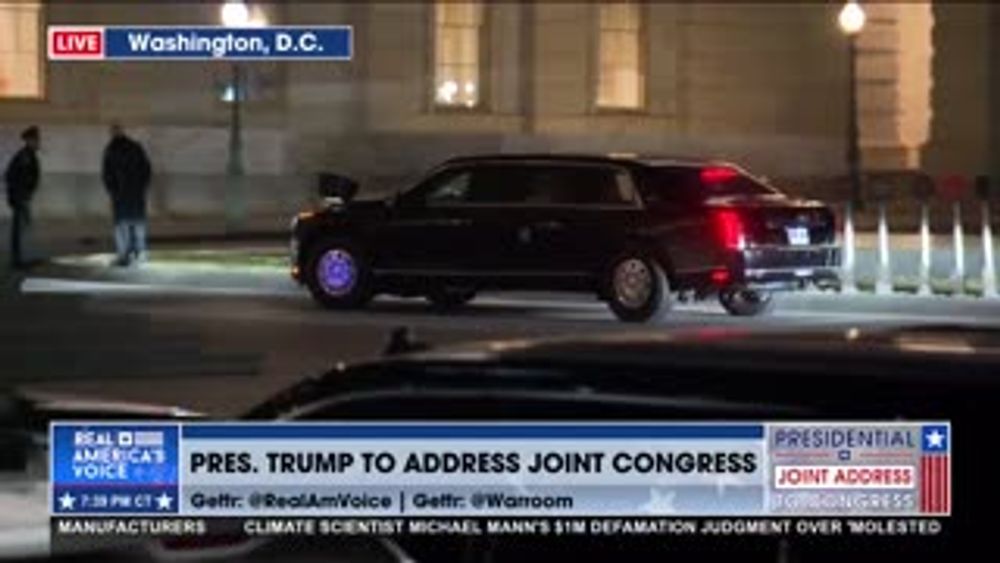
(531, 184)
(450, 187)
(479, 185)
(579, 185)
(499, 184)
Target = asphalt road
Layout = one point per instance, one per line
(222, 351)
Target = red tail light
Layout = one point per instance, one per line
(729, 227)
(717, 174)
(720, 276)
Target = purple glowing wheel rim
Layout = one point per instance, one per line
(336, 272)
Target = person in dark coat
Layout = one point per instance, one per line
(127, 173)
(21, 177)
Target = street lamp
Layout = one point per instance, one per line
(235, 14)
(852, 21)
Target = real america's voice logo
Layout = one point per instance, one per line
(199, 43)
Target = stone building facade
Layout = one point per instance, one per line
(765, 85)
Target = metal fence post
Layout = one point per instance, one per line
(989, 273)
(848, 284)
(925, 250)
(989, 266)
(925, 190)
(958, 273)
(883, 283)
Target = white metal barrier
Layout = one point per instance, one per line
(957, 277)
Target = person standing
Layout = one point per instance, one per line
(127, 172)
(21, 177)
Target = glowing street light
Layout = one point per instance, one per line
(852, 18)
(234, 14)
(851, 21)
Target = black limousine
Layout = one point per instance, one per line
(636, 232)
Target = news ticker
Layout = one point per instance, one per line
(67, 530)
(199, 43)
(500, 469)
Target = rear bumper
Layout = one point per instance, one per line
(787, 267)
(775, 268)
(788, 280)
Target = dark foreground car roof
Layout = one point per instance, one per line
(878, 373)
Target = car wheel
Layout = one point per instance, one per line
(743, 302)
(638, 289)
(450, 297)
(338, 275)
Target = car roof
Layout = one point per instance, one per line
(949, 343)
(610, 158)
(904, 366)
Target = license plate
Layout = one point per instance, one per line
(797, 236)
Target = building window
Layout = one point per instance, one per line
(20, 50)
(620, 79)
(458, 30)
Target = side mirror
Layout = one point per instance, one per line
(337, 187)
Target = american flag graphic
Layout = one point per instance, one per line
(935, 470)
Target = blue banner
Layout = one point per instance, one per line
(469, 469)
(200, 43)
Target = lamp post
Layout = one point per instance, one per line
(235, 14)
(852, 21)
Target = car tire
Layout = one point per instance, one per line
(447, 298)
(743, 302)
(638, 289)
(338, 275)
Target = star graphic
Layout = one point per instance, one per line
(67, 501)
(164, 501)
(935, 439)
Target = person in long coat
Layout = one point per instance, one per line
(21, 176)
(127, 173)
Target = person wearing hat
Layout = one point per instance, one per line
(21, 177)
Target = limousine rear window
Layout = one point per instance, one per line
(691, 182)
